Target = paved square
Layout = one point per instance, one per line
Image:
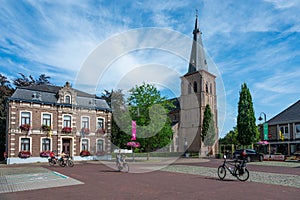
(32, 178)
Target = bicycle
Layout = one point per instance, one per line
(239, 169)
(122, 164)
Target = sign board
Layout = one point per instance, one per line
(265, 131)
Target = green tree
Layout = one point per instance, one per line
(116, 101)
(5, 91)
(246, 127)
(208, 132)
(27, 81)
(149, 109)
(43, 79)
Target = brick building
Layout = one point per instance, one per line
(283, 133)
(45, 118)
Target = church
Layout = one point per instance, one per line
(198, 89)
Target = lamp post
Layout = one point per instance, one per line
(265, 117)
(265, 129)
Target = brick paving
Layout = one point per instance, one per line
(103, 182)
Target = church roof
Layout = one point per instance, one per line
(197, 58)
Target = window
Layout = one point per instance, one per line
(25, 144)
(211, 88)
(67, 121)
(284, 131)
(189, 89)
(297, 128)
(100, 146)
(195, 87)
(46, 119)
(68, 99)
(100, 123)
(84, 144)
(46, 144)
(25, 118)
(206, 87)
(85, 122)
(297, 131)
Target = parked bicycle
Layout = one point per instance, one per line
(67, 161)
(121, 164)
(236, 168)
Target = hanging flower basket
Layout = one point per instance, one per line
(45, 154)
(101, 131)
(85, 130)
(24, 154)
(66, 129)
(85, 153)
(46, 128)
(25, 127)
(133, 144)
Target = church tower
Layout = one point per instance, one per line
(198, 88)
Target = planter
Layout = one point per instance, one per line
(24, 154)
(25, 127)
(66, 130)
(46, 128)
(85, 153)
(45, 154)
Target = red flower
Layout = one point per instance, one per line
(25, 127)
(66, 129)
(85, 153)
(24, 154)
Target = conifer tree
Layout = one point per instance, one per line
(246, 127)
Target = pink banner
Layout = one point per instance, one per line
(133, 123)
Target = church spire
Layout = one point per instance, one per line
(197, 59)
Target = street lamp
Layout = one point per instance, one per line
(265, 117)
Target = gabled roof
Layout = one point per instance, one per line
(291, 114)
(48, 94)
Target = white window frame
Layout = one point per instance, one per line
(30, 117)
(97, 150)
(87, 123)
(41, 143)
(30, 143)
(89, 144)
(42, 118)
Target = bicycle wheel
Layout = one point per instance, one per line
(125, 168)
(241, 174)
(70, 163)
(221, 172)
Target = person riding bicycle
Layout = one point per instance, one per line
(63, 156)
(119, 158)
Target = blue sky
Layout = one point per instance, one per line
(251, 41)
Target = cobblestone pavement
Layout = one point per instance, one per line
(32, 178)
(184, 179)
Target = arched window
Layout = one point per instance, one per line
(206, 87)
(211, 89)
(68, 99)
(195, 87)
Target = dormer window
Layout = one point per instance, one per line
(68, 99)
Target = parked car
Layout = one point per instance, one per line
(249, 154)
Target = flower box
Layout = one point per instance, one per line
(85, 153)
(66, 130)
(45, 154)
(101, 131)
(24, 154)
(25, 127)
(46, 128)
(85, 130)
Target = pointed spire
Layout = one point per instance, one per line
(197, 59)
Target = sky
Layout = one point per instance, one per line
(256, 42)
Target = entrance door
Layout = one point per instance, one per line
(66, 145)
